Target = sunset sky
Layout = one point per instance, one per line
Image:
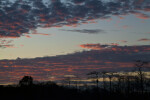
(85, 29)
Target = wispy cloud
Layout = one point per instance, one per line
(123, 41)
(125, 26)
(36, 33)
(89, 31)
(144, 39)
(98, 46)
(142, 16)
(117, 48)
(6, 43)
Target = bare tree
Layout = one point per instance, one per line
(110, 76)
(103, 75)
(94, 75)
(68, 78)
(139, 65)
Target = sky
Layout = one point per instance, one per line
(71, 29)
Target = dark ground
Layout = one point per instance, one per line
(55, 92)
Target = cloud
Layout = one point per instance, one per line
(27, 36)
(125, 26)
(89, 31)
(41, 34)
(5, 46)
(6, 43)
(98, 46)
(8, 46)
(36, 33)
(144, 39)
(111, 58)
(21, 16)
(94, 46)
(117, 48)
(142, 16)
(78, 1)
(123, 41)
(2, 41)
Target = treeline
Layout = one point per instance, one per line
(103, 86)
(137, 81)
(123, 89)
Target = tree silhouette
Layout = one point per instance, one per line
(68, 78)
(140, 64)
(94, 75)
(26, 81)
(103, 75)
(110, 76)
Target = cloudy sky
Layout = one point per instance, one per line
(98, 32)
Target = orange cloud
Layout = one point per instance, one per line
(116, 48)
(41, 34)
(6, 44)
(9, 46)
(147, 9)
(98, 46)
(27, 36)
(144, 39)
(21, 45)
(141, 16)
(12, 37)
(125, 26)
(36, 33)
(93, 46)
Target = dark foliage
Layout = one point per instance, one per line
(51, 91)
(26, 81)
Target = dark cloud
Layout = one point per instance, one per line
(6, 43)
(19, 17)
(7, 46)
(78, 1)
(116, 58)
(89, 31)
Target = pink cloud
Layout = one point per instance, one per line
(114, 58)
(144, 39)
(93, 46)
(27, 36)
(6, 43)
(116, 48)
(36, 33)
(141, 16)
(98, 46)
(147, 9)
(125, 26)
(120, 17)
(21, 45)
(41, 34)
(109, 20)
(9, 46)
(12, 37)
